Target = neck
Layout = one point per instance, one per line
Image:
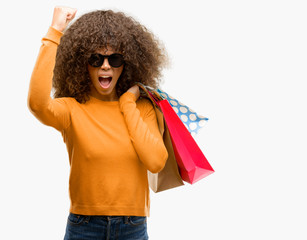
(107, 98)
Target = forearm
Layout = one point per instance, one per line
(144, 134)
(41, 79)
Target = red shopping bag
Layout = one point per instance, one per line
(192, 163)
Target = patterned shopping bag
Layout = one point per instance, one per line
(190, 118)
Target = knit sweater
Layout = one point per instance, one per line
(111, 145)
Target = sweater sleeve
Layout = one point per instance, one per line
(51, 112)
(144, 132)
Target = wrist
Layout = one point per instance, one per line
(128, 96)
(57, 27)
(53, 35)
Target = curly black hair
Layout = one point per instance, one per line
(144, 54)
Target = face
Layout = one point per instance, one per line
(104, 78)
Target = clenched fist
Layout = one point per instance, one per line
(62, 16)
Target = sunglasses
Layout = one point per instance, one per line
(115, 60)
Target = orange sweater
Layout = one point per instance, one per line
(111, 145)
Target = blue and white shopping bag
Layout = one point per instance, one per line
(190, 118)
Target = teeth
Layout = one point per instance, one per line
(105, 76)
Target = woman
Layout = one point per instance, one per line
(111, 134)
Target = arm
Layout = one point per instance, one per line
(144, 132)
(52, 112)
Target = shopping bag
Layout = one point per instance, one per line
(169, 176)
(193, 121)
(193, 165)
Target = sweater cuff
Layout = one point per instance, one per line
(127, 96)
(53, 35)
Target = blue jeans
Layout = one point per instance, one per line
(81, 227)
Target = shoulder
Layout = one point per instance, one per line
(67, 102)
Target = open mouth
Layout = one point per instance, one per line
(105, 81)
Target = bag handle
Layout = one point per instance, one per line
(154, 97)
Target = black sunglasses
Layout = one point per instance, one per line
(115, 60)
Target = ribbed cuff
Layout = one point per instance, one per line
(53, 35)
(127, 96)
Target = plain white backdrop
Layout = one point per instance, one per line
(240, 63)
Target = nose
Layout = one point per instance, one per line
(105, 65)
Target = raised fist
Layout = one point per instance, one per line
(62, 16)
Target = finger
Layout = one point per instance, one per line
(71, 14)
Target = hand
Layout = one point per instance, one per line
(135, 90)
(62, 16)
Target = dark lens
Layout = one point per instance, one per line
(96, 60)
(116, 60)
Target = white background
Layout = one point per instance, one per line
(240, 63)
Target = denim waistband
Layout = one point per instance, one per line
(110, 217)
(105, 218)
